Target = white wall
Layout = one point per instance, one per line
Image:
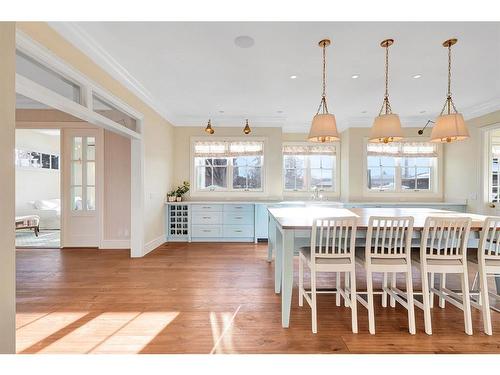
(36, 184)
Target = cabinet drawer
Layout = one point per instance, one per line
(238, 208)
(243, 217)
(207, 207)
(206, 231)
(238, 231)
(207, 217)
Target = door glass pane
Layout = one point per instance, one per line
(91, 173)
(90, 148)
(90, 198)
(76, 198)
(109, 111)
(76, 173)
(77, 148)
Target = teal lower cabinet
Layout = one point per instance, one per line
(261, 222)
(222, 222)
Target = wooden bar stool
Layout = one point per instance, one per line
(388, 250)
(332, 250)
(443, 250)
(488, 261)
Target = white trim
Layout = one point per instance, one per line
(485, 165)
(85, 43)
(85, 112)
(154, 244)
(115, 244)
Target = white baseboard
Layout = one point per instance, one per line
(115, 244)
(151, 245)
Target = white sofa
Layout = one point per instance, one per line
(49, 211)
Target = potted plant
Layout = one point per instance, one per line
(171, 196)
(181, 190)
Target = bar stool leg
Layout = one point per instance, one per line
(411, 307)
(431, 285)
(485, 300)
(384, 293)
(425, 300)
(346, 285)
(442, 285)
(371, 312)
(313, 299)
(354, 303)
(301, 281)
(393, 285)
(337, 286)
(466, 302)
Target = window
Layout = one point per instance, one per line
(109, 111)
(46, 77)
(495, 170)
(83, 174)
(307, 167)
(228, 165)
(401, 167)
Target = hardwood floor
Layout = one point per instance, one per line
(204, 298)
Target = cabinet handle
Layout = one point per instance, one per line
(238, 217)
(238, 231)
(206, 207)
(206, 217)
(207, 230)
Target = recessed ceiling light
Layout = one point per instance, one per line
(417, 76)
(355, 76)
(279, 111)
(244, 41)
(293, 77)
(423, 111)
(221, 111)
(364, 111)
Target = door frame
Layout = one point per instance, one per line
(485, 165)
(84, 111)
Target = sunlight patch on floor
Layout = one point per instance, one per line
(220, 324)
(42, 327)
(137, 333)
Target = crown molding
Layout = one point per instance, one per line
(482, 109)
(90, 47)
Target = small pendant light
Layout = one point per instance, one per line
(450, 126)
(209, 128)
(324, 126)
(247, 129)
(387, 126)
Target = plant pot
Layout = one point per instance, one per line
(171, 199)
(178, 199)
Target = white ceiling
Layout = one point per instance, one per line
(191, 71)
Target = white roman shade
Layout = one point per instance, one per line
(228, 148)
(308, 149)
(403, 149)
(495, 150)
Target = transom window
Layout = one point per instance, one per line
(401, 167)
(307, 167)
(228, 165)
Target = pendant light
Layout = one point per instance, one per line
(387, 126)
(209, 128)
(323, 127)
(247, 129)
(450, 125)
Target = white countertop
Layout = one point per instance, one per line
(312, 202)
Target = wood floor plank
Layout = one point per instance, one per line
(203, 298)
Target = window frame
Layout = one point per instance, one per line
(436, 190)
(200, 192)
(330, 192)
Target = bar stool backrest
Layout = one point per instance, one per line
(489, 243)
(445, 238)
(334, 237)
(389, 237)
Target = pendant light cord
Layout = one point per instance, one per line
(386, 106)
(448, 104)
(322, 104)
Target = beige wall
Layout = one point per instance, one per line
(7, 192)
(272, 161)
(158, 133)
(116, 224)
(463, 165)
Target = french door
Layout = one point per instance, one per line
(82, 187)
